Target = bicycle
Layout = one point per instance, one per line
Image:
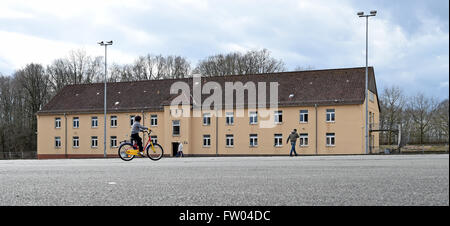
(127, 150)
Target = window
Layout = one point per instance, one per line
(278, 140)
(131, 120)
(229, 140)
(94, 141)
(113, 121)
(330, 115)
(303, 139)
(229, 117)
(113, 141)
(154, 139)
(206, 119)
(176, 127)
(206, 140)
(278, 116)
(330, 139)
(57, 122)
(75, 142)
(153, 120)
(303, 116)
(57, 142)
(371, 96)
(94, 121)
(76, 122)
(253, 140)
(253, 117)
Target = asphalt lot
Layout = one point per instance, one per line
(309, 180)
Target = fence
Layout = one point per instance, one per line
(409, 136)
(18, 155)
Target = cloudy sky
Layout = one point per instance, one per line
(409, 39)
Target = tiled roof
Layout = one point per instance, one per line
(299, 88)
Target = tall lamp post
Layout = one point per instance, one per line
(361, 14)
(106, 44)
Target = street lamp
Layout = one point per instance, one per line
(104, 103)
(361, 14)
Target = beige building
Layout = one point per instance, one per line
(325, 106)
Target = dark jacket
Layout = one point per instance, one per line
(293, 137)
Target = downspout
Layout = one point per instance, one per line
(316, 138)
(217, 135)
(65, 135)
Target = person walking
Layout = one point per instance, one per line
(293, 138)
(180, 150)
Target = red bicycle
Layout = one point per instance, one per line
(128, 150)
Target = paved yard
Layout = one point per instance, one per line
(312, 180)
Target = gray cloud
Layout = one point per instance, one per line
(408, 39)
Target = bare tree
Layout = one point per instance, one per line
(441, 119)
(75, 69)
(35, 83)
(6, 112)
(115, 73)
(78, 61)
(58, 73)
(252, 62)
(392, 102)
(154, 67)
(95, 70)
(21, 96)
(421, 110)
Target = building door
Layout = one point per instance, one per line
(174, 148)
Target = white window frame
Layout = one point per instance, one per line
(94, 142)
(253, 118)
(253, 140)
(132, 120)
(57, 122)
(57, 142)
(153, 120)
(94, 121)
(331, 114)
(207, 138)
(113, 121)
(304, 140)
(305, 115)
(154, 139)
(277, 116)
(206, 119)
(229, 118)
(330, 139)
(278, 140)
(76, 122)
(113, 141)
(176, 123)
(229, 140)
(75, 141)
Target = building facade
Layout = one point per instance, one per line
(325, 106)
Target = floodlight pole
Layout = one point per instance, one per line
(366, 90)
(102, 43)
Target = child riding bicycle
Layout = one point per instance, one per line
(135, 129)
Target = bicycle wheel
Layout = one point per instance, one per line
(155, 154)
(123, 152)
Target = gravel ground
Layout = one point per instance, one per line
(307, 180)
